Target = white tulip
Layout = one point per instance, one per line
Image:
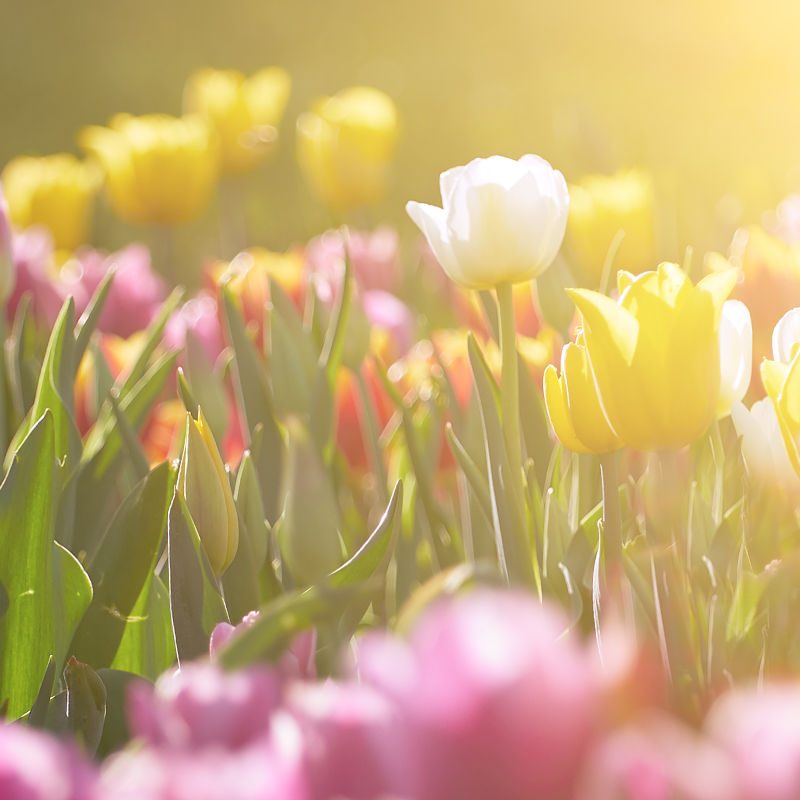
(502, 220)
(763, 447)
(786, 336)
(735, 354)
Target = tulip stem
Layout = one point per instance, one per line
(509, 379)
(612, 517)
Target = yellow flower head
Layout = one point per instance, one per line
(54, 191)
(243, 111)
(345, 144)
(204, 485)
(655, 354)
(573, 405)
(159, 169)
(782, 384)
(603, 205)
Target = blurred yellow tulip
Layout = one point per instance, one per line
(573, 405)
(54, 191)
(159, 169)
(655, 354)
(204, 485)
(602, 206)
(345, 144)
(243, 111)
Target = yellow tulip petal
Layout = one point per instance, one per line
(558, 413)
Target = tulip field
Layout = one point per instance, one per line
(499, 506)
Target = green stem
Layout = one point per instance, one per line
(369, 430)
(612, 517)
(509, 380)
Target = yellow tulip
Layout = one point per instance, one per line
(54, 191)
(603, 205)
(204, 485)
(573, 405)
(345, 144)
(782, 384)
(655, 354)
(243, 111)
(159, 169)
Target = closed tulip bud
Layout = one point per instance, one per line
(735, 354)
(309, 532)
(786, 336)
(573, 406)
(602, 207)
(158, 169)
(345, 145)
(502, 220)
(6, 252)
(56, 192)
(243, 111)
(655, 354)
(203, 484)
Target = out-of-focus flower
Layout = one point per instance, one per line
(56, 192)
(204, 485)
(160, 435)
(763, 445)
(248, 276)
(36, 766)
(573, 405)
(345, 145)
(387, 313)
(760, 729)
(498, 701)
(657, 759)
(136, 292)
(502, 220)
(786, 336)
(245, 112)
(374, 257)
(351, 738)
(202, 706)
(296, 662)
(735, 354)
(158, 169)
(602, 206)
(6, 252)
(787, 220)
(271, 768)
(197, 317)
(655, 354)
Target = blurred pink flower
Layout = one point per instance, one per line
(269, 769)
(135, 295)
(201, 706)
(761, 731)
(296, 662)
(35, 275)
(498, 701)
(657, 759)
(197, 317)
(36, 766)
(385, 311)
(374, 257)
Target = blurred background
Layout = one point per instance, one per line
(702, 92)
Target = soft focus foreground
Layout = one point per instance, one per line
(504, 508)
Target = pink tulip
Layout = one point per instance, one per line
(374, 257)
(199, 318)
(385, 311)
(497, 700)
(761, 731)
(135, 295)
(201, 706)
(35, 276)
(36, 766)
(657, 759)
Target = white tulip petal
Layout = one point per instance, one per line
(786, 336)
(735, 353)
(431, 221)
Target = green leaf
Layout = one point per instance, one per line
(122, 568)
(196, 604)
(91, 316)
(744, 606)
(86, 704)
(27, 514)
(115, 729)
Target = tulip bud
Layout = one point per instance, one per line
(244, 112)
(204, 485)
(502, 221)
(159, 169)
(86, 703)
(56, 192)
(6, 252)
(345, 144)
(309, 532)
(735, 353)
